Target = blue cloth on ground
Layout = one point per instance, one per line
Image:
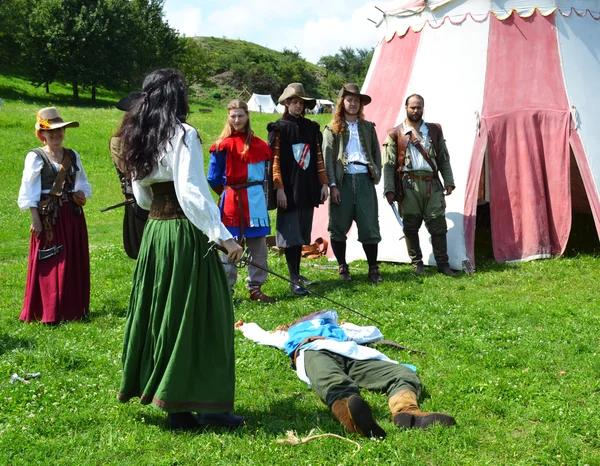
(322, 326)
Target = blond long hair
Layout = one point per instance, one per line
(228, 129)
(338, 122)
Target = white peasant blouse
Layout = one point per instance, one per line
(183, 163)
(31, 190)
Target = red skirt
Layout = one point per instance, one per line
(58, 288)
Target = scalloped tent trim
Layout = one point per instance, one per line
(436, 23)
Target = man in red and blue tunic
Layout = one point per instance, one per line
(236, 172)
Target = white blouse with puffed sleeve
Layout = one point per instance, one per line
(31, 183)
(183, 163)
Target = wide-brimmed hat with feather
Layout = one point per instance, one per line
(49, 119)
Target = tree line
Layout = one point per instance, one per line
(114, 43)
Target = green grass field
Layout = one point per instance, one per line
(512, 352)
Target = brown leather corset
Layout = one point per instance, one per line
(165, 205)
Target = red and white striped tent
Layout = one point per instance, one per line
(515, 85)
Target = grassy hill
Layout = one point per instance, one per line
(235, 68)
(240, 65)
(224, 47)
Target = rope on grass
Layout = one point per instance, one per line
(293, 439)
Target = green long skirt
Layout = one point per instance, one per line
(178, 345)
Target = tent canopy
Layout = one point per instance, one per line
(262, 103)
(519, 125)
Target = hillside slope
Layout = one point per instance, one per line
(239, 65)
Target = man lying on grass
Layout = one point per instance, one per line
(332, 359)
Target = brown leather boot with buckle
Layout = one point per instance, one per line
(256, 294)
(344, 272)
(407, 415)
(356, 417)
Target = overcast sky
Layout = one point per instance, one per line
(312, 27)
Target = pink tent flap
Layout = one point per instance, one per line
(472, 190)
(530, 194)
(527, 120)
(387, 86)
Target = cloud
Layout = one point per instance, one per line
(312, 27)
(186, 19)
(325, 36)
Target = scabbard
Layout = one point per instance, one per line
(50, 252)
(120, 204)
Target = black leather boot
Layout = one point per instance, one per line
(440, 252)
(411, 236)
(295, 286)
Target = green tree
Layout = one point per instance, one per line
(152, 42)
(13, 26)
(92, 43)
(330, 86)
(294, 69)
(254, 69)
(351, 64)
(195, 61)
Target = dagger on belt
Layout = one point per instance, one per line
(50, 252)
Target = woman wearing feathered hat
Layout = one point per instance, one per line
(299, 178)
(54, 188)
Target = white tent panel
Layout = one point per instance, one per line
(579, 42)
(262, 103)
(372, 67)
(450, 62)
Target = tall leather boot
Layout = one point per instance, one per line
(355, 416)
(414, 252)
(439, 243)
(407, 415)
(292, 257)
(411, 236)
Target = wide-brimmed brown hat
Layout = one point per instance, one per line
(353, 89)
(296, 91)
(48, 119)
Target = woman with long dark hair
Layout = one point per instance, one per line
(178, 346)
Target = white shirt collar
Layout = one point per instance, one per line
(408, 129)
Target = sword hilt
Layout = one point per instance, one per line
(244, 259)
